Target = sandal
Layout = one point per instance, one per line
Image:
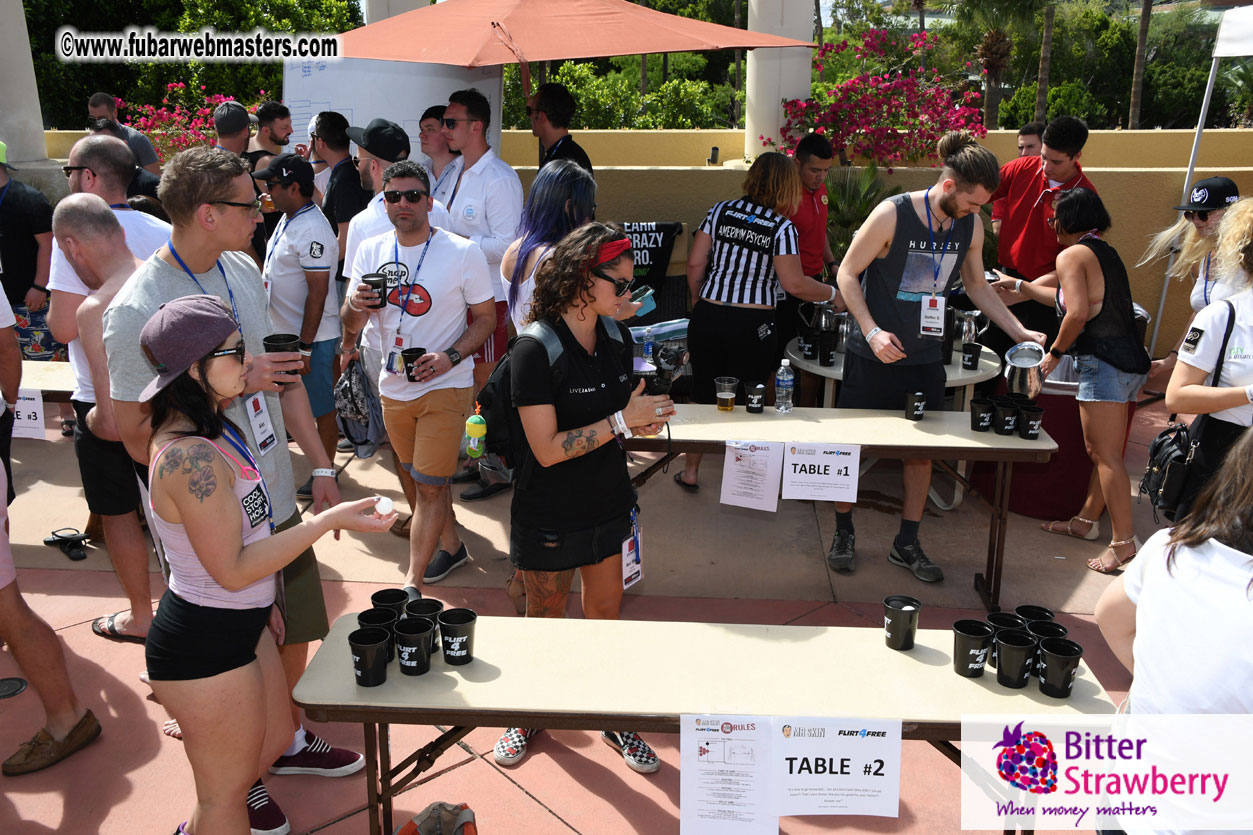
(1094, 529)
(67, 427)
(678, 479)
(401, 528)
(1097, 565)
(70, 541)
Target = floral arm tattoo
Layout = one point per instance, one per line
(577, 442)
(197, 463)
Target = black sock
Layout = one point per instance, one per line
(908, 533)
(844, 522)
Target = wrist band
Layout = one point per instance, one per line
(1174, 351)
(623, 429)
(12, 407)
(353, 307)
(872, 333)
(323, 472)
(43, 290)
(835, 291)
(1018, 286)
(305, 353)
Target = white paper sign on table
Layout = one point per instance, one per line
(826, 766)
(750, 474)
(725, 775)
(28, 415)
(821, 472)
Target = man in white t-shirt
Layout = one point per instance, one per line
(434, 281)
(102, 165)
(300, 261)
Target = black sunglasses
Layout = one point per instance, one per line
(238, 351)
(69, 169)
(253, 207)
(621, 286)
(413, 195)
(1201, 216)
(451, 124)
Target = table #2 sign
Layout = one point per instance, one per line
(738, 774)
(810, 471)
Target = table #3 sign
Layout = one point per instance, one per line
(810, 472)
(739, 774)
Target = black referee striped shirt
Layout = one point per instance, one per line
(746, 237)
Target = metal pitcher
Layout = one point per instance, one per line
(972, 323)
(1023, 374)
(843, 330)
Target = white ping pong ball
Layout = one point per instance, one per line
(383, 506)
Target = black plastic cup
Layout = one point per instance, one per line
(900, 621)
(970, 355)
(1043, 629)
(383, 619)
(827, 342)
(393, 599)
(378, 283)
(807, 344)
(999, 621)
(410, 357)
(1005, 418)
(915, 405)
(1015, 651)
(1030, 418)
(277, 343)
(413, 644)
(429, 608)
(456, 633)
(369, 655)
(1061, 665)
(1029, 613)
(756, 398)
(972, 644)
(981, 414)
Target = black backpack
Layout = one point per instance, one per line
(505, 437)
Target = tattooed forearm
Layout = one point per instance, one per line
(579, 442)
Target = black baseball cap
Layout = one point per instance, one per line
(1210, 194)
(386, 140)
(287, 168)
(231, 117)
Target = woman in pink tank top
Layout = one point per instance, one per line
(211, 660)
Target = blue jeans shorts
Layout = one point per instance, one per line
(320, 380)
(1100, 382)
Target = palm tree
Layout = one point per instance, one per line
(1046, 60)
(994, 18)
(1137, 76)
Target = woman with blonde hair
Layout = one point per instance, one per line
(744, 251)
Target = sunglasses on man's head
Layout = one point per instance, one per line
(238, 351)
(620, 286)
(1201, 216)
(412, 195)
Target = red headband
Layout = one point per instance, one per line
(610, 250)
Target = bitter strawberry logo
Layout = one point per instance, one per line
(1028, 761)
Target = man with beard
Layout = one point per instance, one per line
(895, 280)
(274, 131)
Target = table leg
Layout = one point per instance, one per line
(371, 777)
(828, 392)
(1003, 513)
(652, 469)
(385, 775)
(987, 582)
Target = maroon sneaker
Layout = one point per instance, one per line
(318, 757)
(264, 816)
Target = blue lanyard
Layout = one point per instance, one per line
(413, 279)
(936, 265)
(242, 448)
(269, 250)
(336, 166)
(5, 191)
(192, 276)
(1206, 285)
(440, 182)
(119, 206)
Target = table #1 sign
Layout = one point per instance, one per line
(821, 472)
(739, 774)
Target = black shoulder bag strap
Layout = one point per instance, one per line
(1222, 350)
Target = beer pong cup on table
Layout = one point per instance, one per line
(378, 283)
(277, 343)
(981, 414)
(1030, 418)
(1061, 665)
(915, 405)
(970, 355)
(755, 398)
(999, 621)
(807, 344)
(456, 633)
(383, 619)
(900, 620)
(393, 599)
(1005, 418)
(724, 388)
(827, 343)
(369, 655)
(1042, 629)
(426, 607)
(410, 357)
(972, 642)
(413, 644)
(1015, 652)
(1030, 612)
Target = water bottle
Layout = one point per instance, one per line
(648, 346)
(783, 380)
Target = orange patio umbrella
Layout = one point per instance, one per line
(480, 33)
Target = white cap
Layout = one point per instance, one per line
(787, 362)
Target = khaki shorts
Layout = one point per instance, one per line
(426, 433)
(304, 608)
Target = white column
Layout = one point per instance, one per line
(21, 123)
(775, 74)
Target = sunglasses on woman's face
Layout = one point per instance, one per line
(620, 286)
(238, 351)
(1201, 216)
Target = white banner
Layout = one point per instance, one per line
(821, 472)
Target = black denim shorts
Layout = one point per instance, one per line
(541, 549)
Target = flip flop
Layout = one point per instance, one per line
(104, 627)
(401, 529)
(691, 488)
(70, 541)
(67, 427)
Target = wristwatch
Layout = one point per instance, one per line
(454, 355)
(1054, 353)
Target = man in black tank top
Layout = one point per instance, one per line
(895, 279)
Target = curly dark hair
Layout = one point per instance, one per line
(565, 277)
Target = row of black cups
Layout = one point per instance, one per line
(1017, 645)
(398, 627)
(1006, 415)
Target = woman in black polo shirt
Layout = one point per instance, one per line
(743, 253)
(573, 503)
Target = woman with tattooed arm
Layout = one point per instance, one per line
(573, 503)
(211, 660)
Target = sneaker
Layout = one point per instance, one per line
(443, 563)
(264, 815)
(915, 560)
(840, 557)
(484, 490)
(43, 751)
(466, 475)
(637, 753)
(305, 491)
(511, 747)
(318, 757)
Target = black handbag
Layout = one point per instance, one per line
(1172, 451)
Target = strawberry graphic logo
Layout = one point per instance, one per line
(1028, 761)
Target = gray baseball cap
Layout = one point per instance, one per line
(179, 334)
(231, 117)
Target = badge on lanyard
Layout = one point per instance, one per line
(931, 325)
(396, 365)
(262, 426)
(632, 567)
